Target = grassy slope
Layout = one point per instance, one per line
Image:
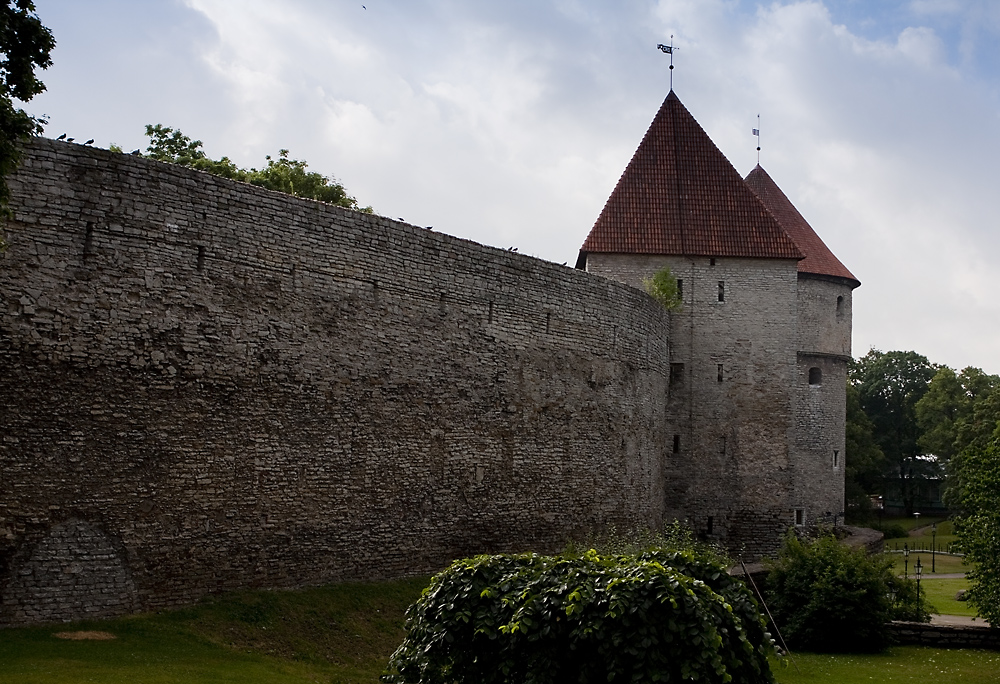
(340, 633)
(345, 634)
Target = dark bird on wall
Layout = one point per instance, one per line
(61, 137)
(136, 152)
(70, 139)
(89, 142)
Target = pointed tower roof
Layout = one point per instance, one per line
(819, 259)
(680, 195)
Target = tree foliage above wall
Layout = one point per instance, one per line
(282, 174)
(24, 45)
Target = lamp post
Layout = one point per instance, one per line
(918, 570)
(933, 545)
(881, 510)
(906, 560)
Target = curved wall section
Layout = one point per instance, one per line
(240, 388)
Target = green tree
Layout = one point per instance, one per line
(663, 288)
(889, 386)
(282, 174)
(864, 461)
(825, 596)
(25, 45)
(975, 492)
(957, 411)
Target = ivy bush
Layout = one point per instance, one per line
(825, 596)
(660, 616)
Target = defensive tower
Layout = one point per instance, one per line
(759, 348)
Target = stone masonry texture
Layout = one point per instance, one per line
(206, 386)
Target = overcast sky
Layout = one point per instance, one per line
(510, 122)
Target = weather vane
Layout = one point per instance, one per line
(756, 131)
(669, 49)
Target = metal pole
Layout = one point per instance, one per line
(933, 545)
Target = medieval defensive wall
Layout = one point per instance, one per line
(205, 385)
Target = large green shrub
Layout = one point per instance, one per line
(656, 617)
(825, 596)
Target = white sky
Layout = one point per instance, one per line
(510, 122)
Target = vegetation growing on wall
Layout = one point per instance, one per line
(825, 596)
(662, 286)
(24, 45)
(282, 174)
(657, 616)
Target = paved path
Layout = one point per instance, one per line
(958, 621)
(940, 575)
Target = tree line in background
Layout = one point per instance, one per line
(908, 423)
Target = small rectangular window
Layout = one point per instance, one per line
(800, 516)
(722, 290)
(677, 444)
(708, 527)
(711, 262)
(836, 458)
(719, 369)
(680, 288)
(676, 374)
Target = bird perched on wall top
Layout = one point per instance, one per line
(89, 142)
(61, 137)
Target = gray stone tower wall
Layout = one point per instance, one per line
(824, 305)
(733, 473)
(205, 385)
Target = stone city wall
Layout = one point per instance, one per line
(206, 385)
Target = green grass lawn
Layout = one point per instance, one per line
(943, 563)
(940, 593)
(898, 665)
(344, 634)
(339, 633)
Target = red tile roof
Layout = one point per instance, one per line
(819, 259)
(680, 195)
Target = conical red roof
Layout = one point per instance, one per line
(680, 195)
(819, 259)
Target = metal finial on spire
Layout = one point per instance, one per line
(669, 49)
(756, 132)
